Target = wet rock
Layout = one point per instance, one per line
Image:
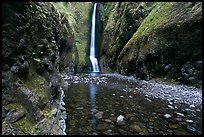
(180, 114)
(94, 133)
(54, 86)
(150, 130)
(120, 119)
(50, 68)
(179, 132)
(167, 116)
(171, 107)
(149, 100)
(178, 119)
(191, 129)
(79, 108)
(65, 86)
(172, 126)
(25, 91)
(15, 69)
(15, 115)
(108, 120)
(189, 121)
(192, 106)
(99, 115)
(44, 63)
(135, 128)
(102, 127)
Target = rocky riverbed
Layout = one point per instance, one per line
(112, 104)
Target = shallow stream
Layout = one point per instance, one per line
(94, 104)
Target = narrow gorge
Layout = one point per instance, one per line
(105, 68)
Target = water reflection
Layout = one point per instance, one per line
(95, 74)
(92, 92)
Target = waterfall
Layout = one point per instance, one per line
(92, 57)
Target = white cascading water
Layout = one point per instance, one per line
(92, 57)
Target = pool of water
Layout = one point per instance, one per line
(94, 106)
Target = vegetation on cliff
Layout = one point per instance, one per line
(37, 45)
(164, 40)
(79, 16)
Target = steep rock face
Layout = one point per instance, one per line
(167, 44)
(37, 44)
(153, 40)
(121, 20)
(79, 16)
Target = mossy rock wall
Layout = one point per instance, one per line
(167, 44)
(79, 16)
(153, 40)
(120, 21)
(37, 46)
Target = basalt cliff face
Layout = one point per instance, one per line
(161, 40)
(38, 46)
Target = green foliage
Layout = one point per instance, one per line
(156, 18)
(78, 16)
(25, 126)
(35, 84)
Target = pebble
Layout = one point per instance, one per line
(198, 110)
(148, 100)
(167, 116)
(120, 119)
(94, 133)
(108, 120)
(135, 128)
(109, 130)
(102, 127)
(99, 115)
(189, 121)
(151, 124)
(79, 108)
(178, 119)
(130, 96)
(191, 129)
(172, 126)
(180, 114)
(192, 106)
(113, 94)
(150, 130)
(171, 107)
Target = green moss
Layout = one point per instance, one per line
(14, 106)
(47, 112)
(159, 15)
(24, 126)
(38, 85)
(78, 15)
